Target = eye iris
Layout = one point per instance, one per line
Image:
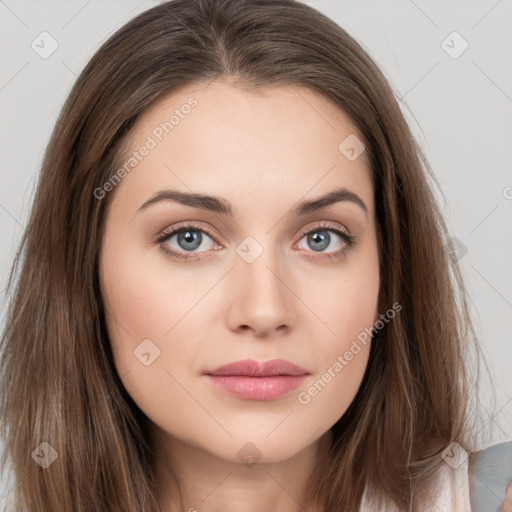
(190, 237)
(319, 236)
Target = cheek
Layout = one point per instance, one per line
(345, 308)
(343, 352)
(151, 329)
(143, 312)
(345, 299)
(328, 394)
(142, 300)
(347, 305)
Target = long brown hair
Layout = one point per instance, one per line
(59, 384)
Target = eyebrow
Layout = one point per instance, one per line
(221, 205)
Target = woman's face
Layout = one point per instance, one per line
(252, 286)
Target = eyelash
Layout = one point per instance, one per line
(349, 240)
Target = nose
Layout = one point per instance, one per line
(261, 299)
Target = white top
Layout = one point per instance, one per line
(453, 495)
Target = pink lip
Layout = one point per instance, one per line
(253, 380)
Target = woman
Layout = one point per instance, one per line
(263, 371)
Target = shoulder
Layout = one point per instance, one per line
(490, 472)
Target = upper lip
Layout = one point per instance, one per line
(249, 367)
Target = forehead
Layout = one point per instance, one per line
(264, 143)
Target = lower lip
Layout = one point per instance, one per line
(257, 388)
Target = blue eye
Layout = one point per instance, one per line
(190, 237)
(319, 239)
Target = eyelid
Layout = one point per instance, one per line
(326, 224)
(193, 225)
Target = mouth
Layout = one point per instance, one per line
(253, 380)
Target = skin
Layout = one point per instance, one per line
(262, 151)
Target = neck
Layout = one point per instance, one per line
(190, 479)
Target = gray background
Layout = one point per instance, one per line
(460, 110)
